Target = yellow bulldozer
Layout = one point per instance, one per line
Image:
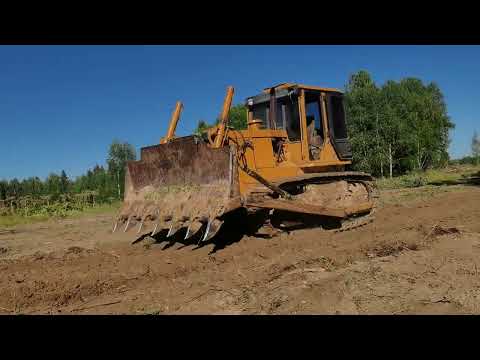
(290, 165)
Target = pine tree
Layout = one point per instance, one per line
(64, 183)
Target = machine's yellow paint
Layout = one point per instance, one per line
(224, 117)
(259, 155)
(296, 158)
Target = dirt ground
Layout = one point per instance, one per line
(421, 255)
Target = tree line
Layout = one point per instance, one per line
(106, 183)
(397, 127)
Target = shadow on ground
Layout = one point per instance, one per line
(237, 225)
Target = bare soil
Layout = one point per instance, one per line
(421, 255)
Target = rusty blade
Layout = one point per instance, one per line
(182, 177)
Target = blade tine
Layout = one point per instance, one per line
(157, 214)
(214, 228)
(140, 226)
(154, 229)
(193, 228)
(115, 226)
(128, 223)
(171, 230)
(188, 231)
(176, 226)
(207, 230)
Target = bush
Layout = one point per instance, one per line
(414, 180)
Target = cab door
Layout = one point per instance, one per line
(315, 133)
(338, 126)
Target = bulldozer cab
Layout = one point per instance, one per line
(311, 116)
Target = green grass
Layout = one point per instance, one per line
(8, 221)
(448, 176)
(402, 196)
(425, 185)
(98, 209)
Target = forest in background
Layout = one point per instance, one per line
(59, 195)
(396, 128)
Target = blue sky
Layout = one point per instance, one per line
(61, 106)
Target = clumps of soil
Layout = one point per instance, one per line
(3, 250)
(78, 251)
(74, 250)
(38, 256)
(323, 261)
(388, 249)
(276, 302)
(439, 230)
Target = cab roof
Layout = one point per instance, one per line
(301, 86)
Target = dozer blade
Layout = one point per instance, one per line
(180, 184)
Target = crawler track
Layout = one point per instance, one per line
(333, 190)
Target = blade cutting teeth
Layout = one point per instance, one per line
(212, 229)
(158, 218)
(171, 231)
(193, 227)
(205, 234)
(177, 225)
(140, 226)
(154, 229)
(188, 231)
(128, 223)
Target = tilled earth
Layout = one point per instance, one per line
(421, 255)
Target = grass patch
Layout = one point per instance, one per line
(452, 175)
(98, 209)
(7, 221)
